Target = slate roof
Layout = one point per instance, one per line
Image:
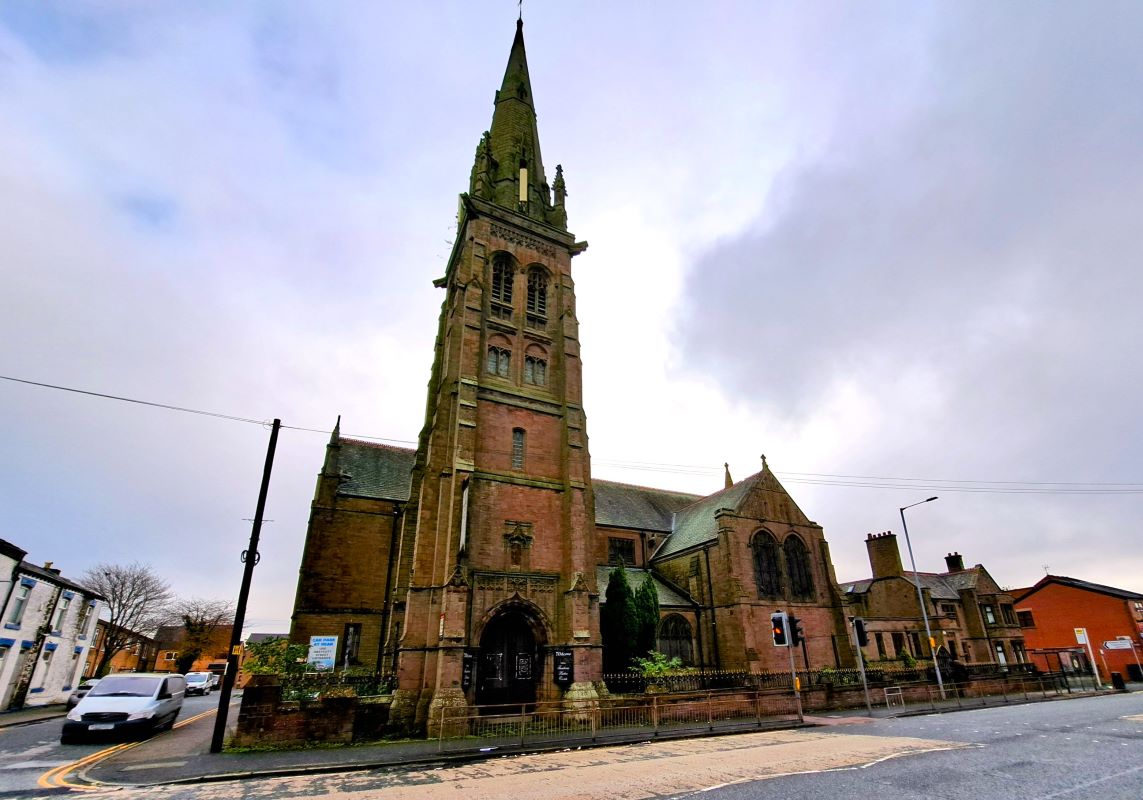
(54, 577)
(668, 595)
(695, 524)
(622, 505)
(1086, 586)
(942, 586)
(375, 470)
(254, 638)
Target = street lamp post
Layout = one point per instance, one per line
(921, 596)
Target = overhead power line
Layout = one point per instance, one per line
(805, 478)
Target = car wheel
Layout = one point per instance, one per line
(68, 740)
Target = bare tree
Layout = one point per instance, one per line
(200, 621)
(137, 600)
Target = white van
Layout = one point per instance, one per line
(127, 703)
(199, 683)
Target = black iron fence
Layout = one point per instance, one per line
(695, 680)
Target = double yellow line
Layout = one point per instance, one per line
(57, 778)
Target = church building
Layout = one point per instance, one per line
(472, 568)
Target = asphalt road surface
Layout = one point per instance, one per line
(1081, 748)
(29, 751)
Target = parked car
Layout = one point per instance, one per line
(80, 692)
(199, 683)
(126, 703)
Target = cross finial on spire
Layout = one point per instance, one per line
(520, 3)
(727, 480)
(763, 461)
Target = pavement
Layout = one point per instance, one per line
(29, 715)
(182, 755)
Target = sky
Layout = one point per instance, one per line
(892, 246)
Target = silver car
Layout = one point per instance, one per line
(80, 692)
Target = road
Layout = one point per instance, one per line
(1080, 748)
(29, 751)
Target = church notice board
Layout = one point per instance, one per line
(563, 665)
(467, 666)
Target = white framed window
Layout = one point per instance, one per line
(19, 601)
(61, 613)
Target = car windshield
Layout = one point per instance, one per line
(125, 686)
(197, 678)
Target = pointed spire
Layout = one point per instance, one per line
(727, 480)
(509, 170)
(335, 437)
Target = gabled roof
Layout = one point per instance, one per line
(622, 505)
(669, 596)
(378, 471)
(255, 638)
(696, 525)
(54, 577)
(1076, 583)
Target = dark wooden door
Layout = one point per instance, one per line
(508, 666)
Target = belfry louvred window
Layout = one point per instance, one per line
(502, 286)
(537, 297)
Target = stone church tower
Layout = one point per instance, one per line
(496, 563)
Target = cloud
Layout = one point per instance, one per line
(966, 259)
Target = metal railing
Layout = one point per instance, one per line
(487, 728)
(982, 693)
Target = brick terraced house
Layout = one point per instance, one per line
(472, 567)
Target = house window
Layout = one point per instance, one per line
(502, 271)
(879, 638)
(61, 612)
(915, 643)
(989, 614)
(535, 371)
(620, 551)
(798, 568)
(675, 639)
(517, 448)
(1019, 653)
(1001, 658)
(1026, 620)
(498, 358)
(766, 574)
(537, 297)
(19, 600)
(949, 610)
(84, 615)
(1009, 614)
(952, 647)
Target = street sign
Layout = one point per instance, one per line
(1081, 635)
(1117, 644)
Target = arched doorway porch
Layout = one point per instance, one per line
(511, 659)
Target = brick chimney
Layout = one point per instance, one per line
(954, 562)
(884, 556)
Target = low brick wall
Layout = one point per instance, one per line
(264, 719)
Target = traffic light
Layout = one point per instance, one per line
(859, 631)
(778, 628)
(795, 631)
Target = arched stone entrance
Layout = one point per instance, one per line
(510, 663)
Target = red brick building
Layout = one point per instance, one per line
(1050, 612)
(470, 566)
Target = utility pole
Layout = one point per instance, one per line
(249, 558)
